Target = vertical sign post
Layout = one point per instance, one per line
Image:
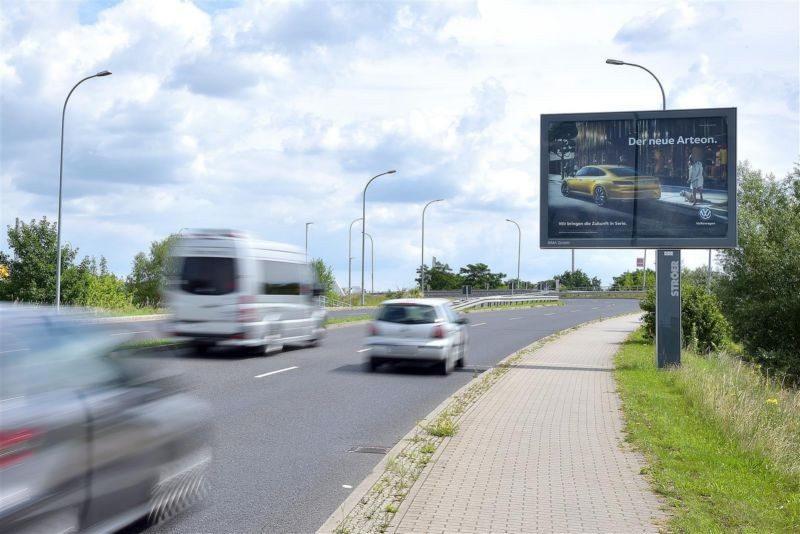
(668, 308)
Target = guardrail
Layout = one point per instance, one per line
(502, 300)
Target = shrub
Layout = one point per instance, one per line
(703, 327)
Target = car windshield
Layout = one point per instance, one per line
(407, 314)
(208, 276)
(624, 171)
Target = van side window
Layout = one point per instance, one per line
(284, 278)
(208, 275)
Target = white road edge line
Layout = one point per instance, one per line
(363, 350)
(276, 372)
(514, 318)
(347, 486)
(549, 313)
(479, 324)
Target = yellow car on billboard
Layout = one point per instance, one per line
(603, 183)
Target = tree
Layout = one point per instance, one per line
(562, 141)
(148, 275)
(759, 290)
(32, 274)
(578, 280)
(632, 280)
(479, 276)
(440, 277)
(324, 274)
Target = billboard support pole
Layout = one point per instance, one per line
(668, 308)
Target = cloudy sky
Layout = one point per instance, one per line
(264, 115)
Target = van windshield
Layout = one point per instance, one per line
(407, 314)
(208, 276)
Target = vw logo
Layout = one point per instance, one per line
(704, 213)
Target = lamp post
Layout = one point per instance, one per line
(364, 226)
(422, 263)
(371, 262)
(663, 97)
(668, 301)
(350, 262)
(519, 251)
(307, 225)
(60, 182)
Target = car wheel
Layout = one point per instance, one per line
(372, 365)
(565, 189)
(461, 359)
(600, 197)
(446, 366)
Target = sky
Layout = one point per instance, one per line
(263, 116)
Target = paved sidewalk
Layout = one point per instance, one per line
(541, 451)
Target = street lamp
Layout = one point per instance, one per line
(663, 107)
(364, 227)
(663, 97)
(371, 262)
(519, 251)
(60, 181)
(422, 263)
(307, 225)
(350, 262)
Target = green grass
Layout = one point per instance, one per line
(135, 310)
(349, 319)
(714, 477)
(443, 427)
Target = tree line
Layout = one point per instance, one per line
(29, 273)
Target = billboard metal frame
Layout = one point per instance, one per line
(730, 240)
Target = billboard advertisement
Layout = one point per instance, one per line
(649, 179)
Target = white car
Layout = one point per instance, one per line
(424, 330)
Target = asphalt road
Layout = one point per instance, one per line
(280, 439)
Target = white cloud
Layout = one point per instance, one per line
(266, 115)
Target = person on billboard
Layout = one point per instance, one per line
(696, 175)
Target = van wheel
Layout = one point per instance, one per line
(372, 365)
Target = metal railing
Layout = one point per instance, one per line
(501, 300)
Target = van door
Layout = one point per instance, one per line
(207, 289)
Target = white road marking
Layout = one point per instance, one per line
(479, 324)
(549, 313)
(347, 486)
(514, 318)
(134, 332)
(276, 372)
(596, 308)
(363, 350)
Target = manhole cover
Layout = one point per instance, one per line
(369, 449)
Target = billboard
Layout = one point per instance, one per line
(649, 179)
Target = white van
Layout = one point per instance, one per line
(227, 289)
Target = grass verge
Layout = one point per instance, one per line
(721, 442)
(349, 319)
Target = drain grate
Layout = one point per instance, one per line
(369, 449)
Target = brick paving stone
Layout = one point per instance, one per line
(542, 450)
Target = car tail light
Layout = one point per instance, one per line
(372, 329)
(16, 445)
(247, 314)
(438, 331)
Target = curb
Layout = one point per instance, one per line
(360, 491)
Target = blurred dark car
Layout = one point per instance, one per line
(91, 440)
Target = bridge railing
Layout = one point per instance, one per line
(501, 300)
